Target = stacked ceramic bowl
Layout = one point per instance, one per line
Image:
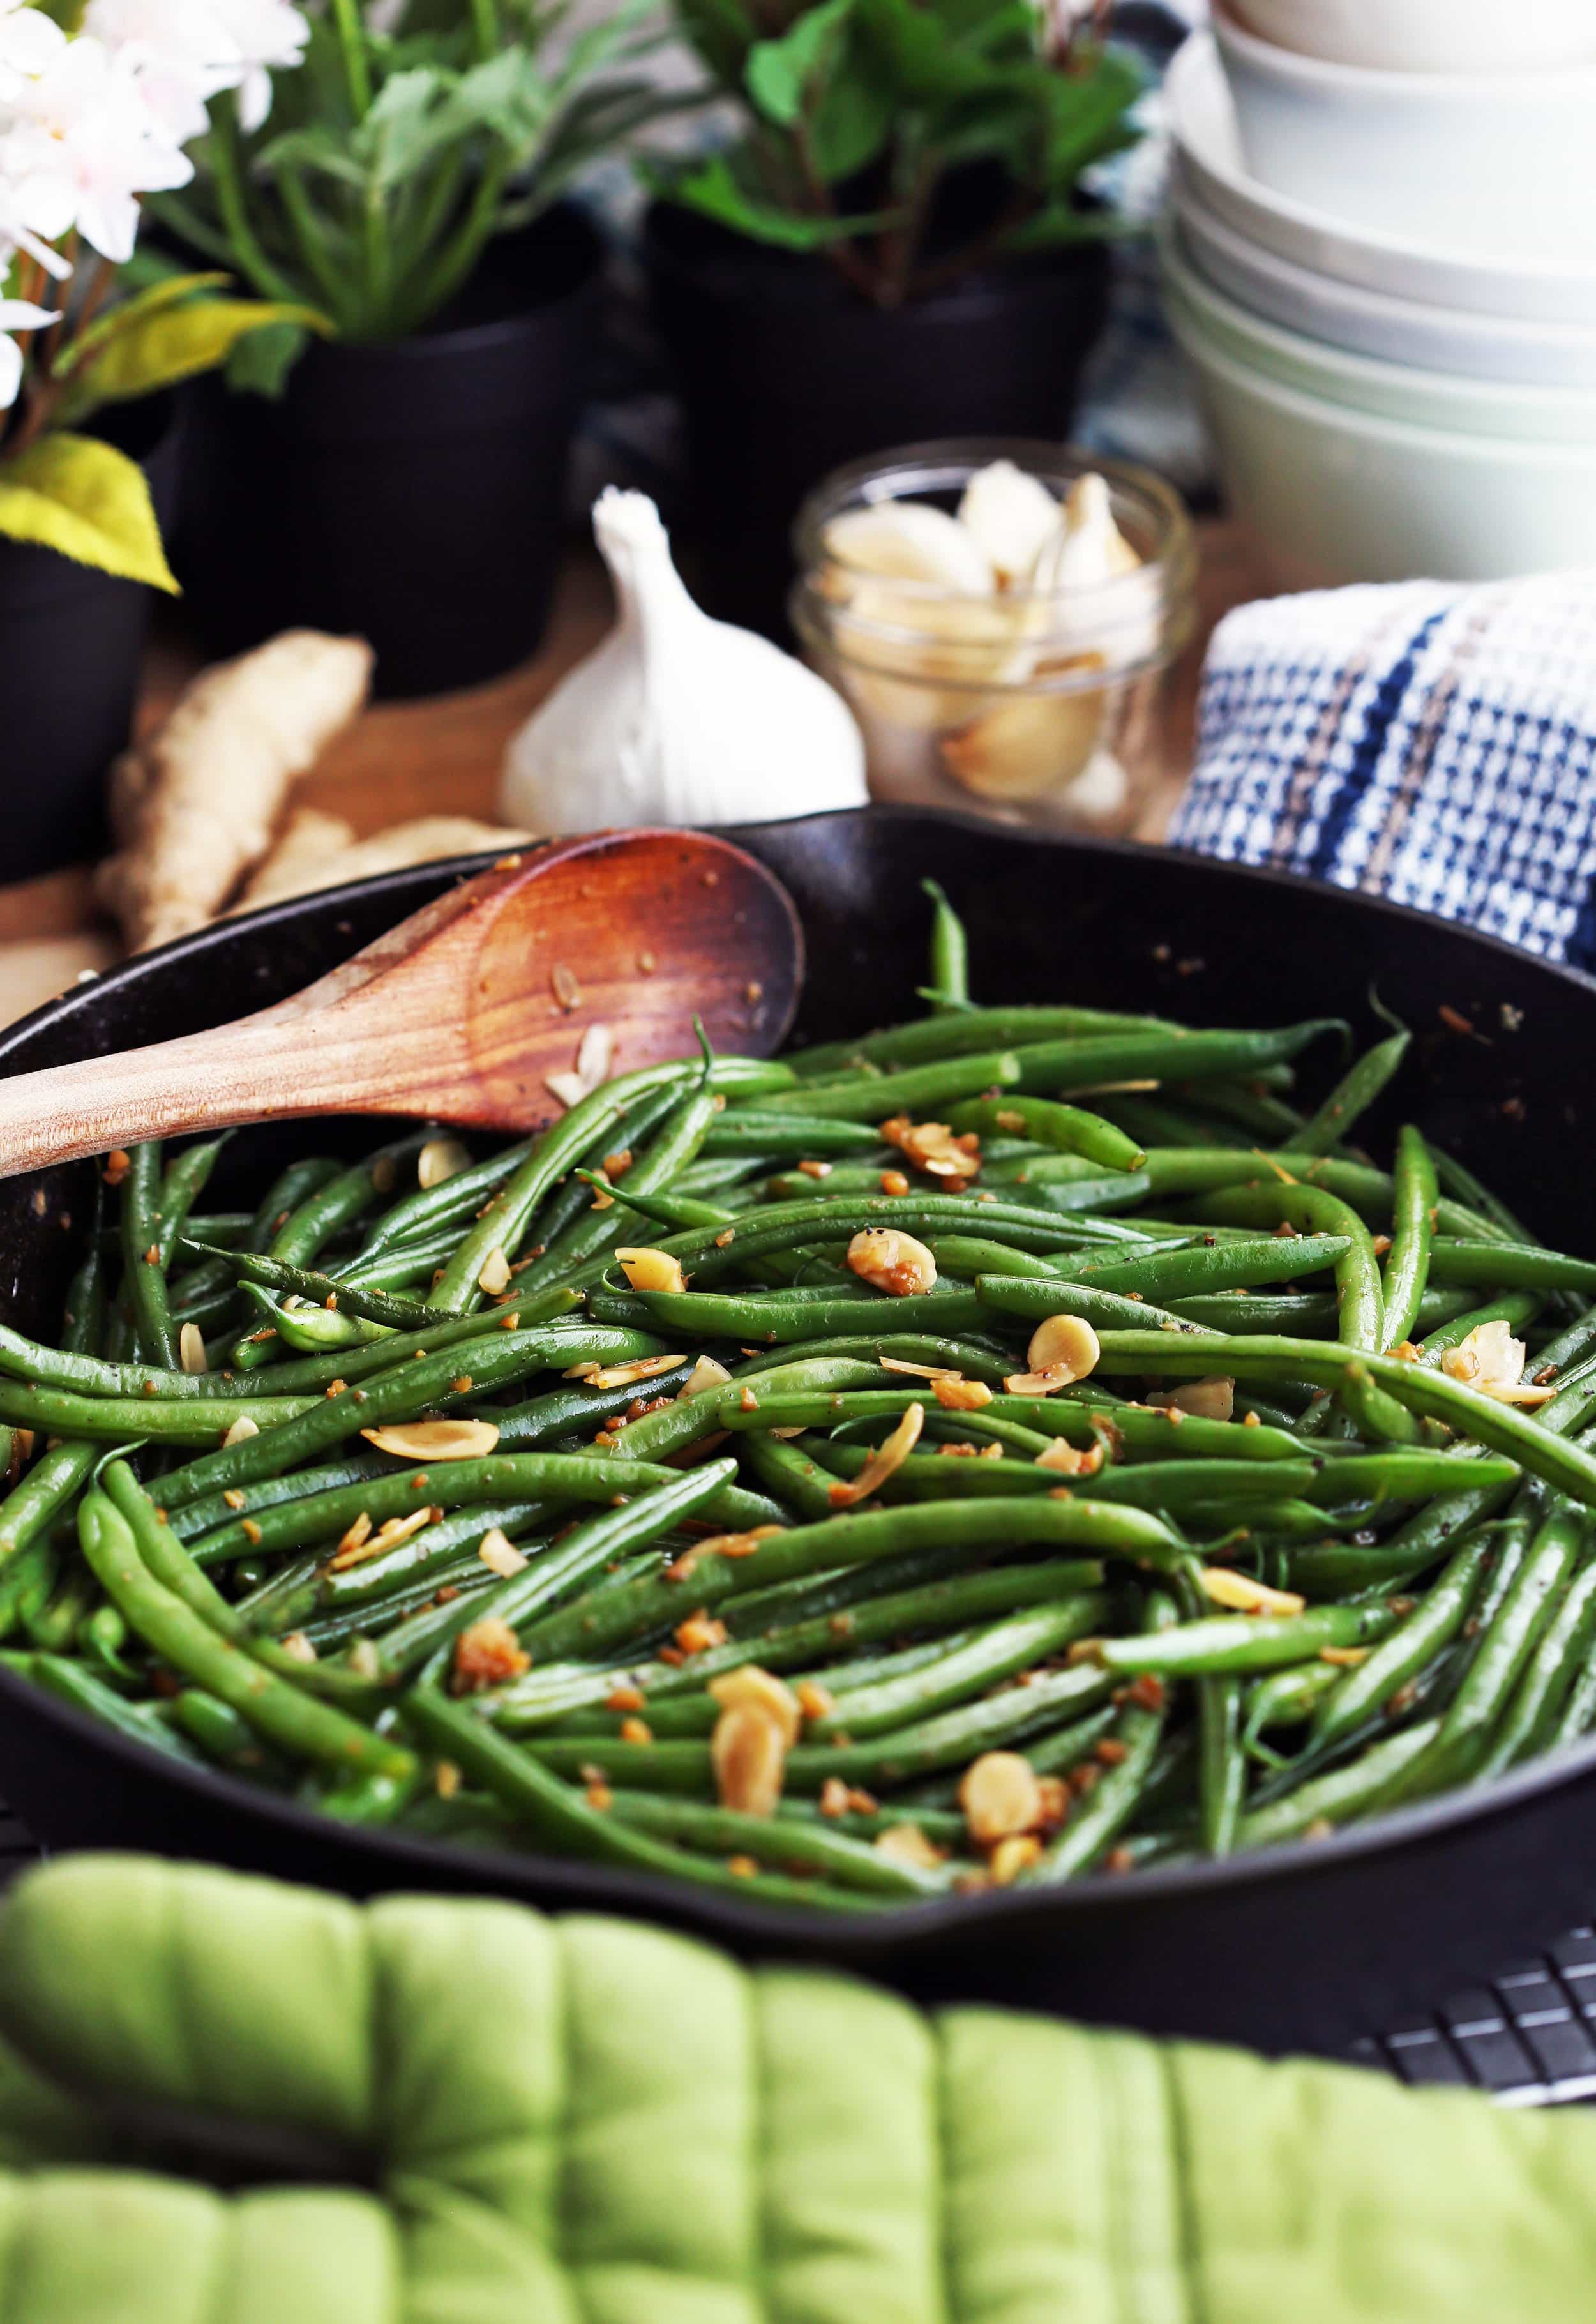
(1381, 264)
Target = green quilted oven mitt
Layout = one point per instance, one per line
(225, 2101)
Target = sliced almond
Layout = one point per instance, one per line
(241, 1430)
(651, 1270)
(750, 1687)
(642, 1368)
(916, 1371)
(568, 1087)
(720, 1544)
(353, 1541)
(1491, 1360)
(1240, 1591)
(748, 1756)
(499, 1554)
(436, 1440)
(884, 1461)
(441, 1158)
(299, 1646)
(1000, 1795)
(1012, 1856)
(932, 1147)
(1063, 1341)
(1071, 1459)
(353, 1550)
(1204, 1399)
(191, 1352)
(955, 1394)
(905, 1843)
(495, 1273)
(891, 1262)
(705, 1375)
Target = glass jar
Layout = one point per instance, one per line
(1035, 706)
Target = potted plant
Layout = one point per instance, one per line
(89, 123)
(894, 248)
(404, 476)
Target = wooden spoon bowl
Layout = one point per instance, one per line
(584, 958)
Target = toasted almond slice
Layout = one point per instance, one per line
(499, 1554)
(1491, 1360)
(884, 1461)
(750, 1687)
(436, 1440)
(595, 1055)
(642, 1368)
(1012, 1856)
(1071, 1459)
(891, 1262)
(191, 1352)
(705, 1375)
(720, 1544)
(958, 1395)
(916, 1371)
(1063, 1341)
(441, 1158)
(651, 1270)
(353, 1543)
(568, 1087)
(495, 1273)
(1226, 1587)
(999, 1796)
(1204, 1399)
(241, 1430)
(748, 1756)
(905, 1843)
(300, 1647)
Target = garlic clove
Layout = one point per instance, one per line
(675, 718)
(1011, 515)
(1087, 545)
(1026, 744)
(1086, 552)
(909, 541)
(930, 676)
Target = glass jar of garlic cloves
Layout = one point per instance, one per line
(1002, 616)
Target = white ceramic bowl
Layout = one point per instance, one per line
(1399, 392)
(1333, 495)
(1407, 331)
(1208, 159)
(1498, 162)
(1428, 35)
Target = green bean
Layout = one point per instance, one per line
(957, 1033)
(916, 1091)
(227, 1739)
(1095, 1823)
(949, 986)
(1415, 1196)
(300, 1724)
(1454, 1259)
(416, 1217)
(1187, 1171)
(119, 1420)
(676, 1212)
(1243, 1642)
(1530, 1722)
(305, 1283)
(1013, 1644)
(1289, 1697)
(1345, 1794)
(1067, 1129)
(1353, 1095)
(595, 1231)
(339, 1200)
(788, 1318)
(783, 1842)
(1398, 1659)
(751, 1129)
(144, 1277)
(1514, 1308)
(43, 1493)
(72, 1684)
(642, 1609)
(1314, 1210)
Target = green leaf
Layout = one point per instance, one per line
(157, 349)
(169, 292)
(262, 360)
(86, 501)
(778, 74)
(714, 190)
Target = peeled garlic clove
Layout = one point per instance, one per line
(1011, 515)
(1026, 744)
(909, 541)
(657, 725)
(1086, 552)
(1087, 545)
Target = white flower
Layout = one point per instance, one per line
(17, 315)
(79, 147)
(28, 40)
(264, 32)
(1492, 1360)
(179, 52)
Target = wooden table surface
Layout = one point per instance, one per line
(442, 756)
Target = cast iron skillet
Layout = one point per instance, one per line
(1304, 1947)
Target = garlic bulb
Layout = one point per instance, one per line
(676, 718)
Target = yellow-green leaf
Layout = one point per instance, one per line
(157, 350)
(87, 501)
(85, 342)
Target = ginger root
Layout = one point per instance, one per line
(317, 850)
(193, 805)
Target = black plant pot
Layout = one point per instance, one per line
(410, 494)
(71, 639)
(786, 372)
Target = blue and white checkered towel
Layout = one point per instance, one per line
(1432, 743)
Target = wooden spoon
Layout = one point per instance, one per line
(601, 949)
